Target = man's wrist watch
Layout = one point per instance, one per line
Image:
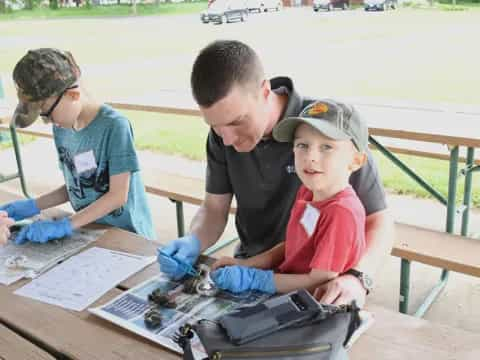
(365, 279)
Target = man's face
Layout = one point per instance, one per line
(240, 118)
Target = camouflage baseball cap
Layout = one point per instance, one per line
(40, 74)
(332, 118)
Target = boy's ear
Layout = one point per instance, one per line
(359, 159)
(74, 94)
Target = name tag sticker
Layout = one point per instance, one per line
(309, 219)
(85, 161)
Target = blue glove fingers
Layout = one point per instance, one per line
(43, 231)
(189, 249)
(240, 278)
(220, 279)
(21, 209)
(186, 249)
(21, 237)
(171, 248)
(170, 267)
(232, 278)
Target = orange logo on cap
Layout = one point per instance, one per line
(319, 108)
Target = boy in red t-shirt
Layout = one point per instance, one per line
(326, 231)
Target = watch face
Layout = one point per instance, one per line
(367, 282)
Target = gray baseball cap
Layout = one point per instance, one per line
(334, 119)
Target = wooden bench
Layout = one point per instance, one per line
(435, 248)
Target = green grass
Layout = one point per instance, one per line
(169, 134)
(185, 136)
(105, 11)
(434, 171)
(6, 143)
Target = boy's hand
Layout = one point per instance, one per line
(43, 231)
(186, 249)
(21, 209)
(241, 278)
(225, 261)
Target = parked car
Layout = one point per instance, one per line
(225, 11)
(380, 5)
(330, 4)
(264, 5)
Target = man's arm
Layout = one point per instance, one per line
(379, 237)
(210, 220)
(379, 232)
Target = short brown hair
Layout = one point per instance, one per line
(221, 65)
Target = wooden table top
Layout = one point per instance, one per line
(81, 335)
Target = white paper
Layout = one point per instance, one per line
(82, 279)
(41, 257)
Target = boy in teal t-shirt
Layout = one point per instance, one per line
(95, 148)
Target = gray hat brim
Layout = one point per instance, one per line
(285, 129)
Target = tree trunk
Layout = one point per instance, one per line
(3, 7)
(29, 5)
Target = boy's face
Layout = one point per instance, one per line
(61, 110)
(240, 118)
(323, 164)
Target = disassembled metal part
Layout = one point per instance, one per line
(161, 299)
(205, 286)
(16, 262)
(153, 318)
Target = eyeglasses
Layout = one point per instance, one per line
(47, 116)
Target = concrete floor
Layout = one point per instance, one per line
(456, 306)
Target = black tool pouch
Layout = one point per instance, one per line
(318, 339)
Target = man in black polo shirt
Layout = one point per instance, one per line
(242, 107)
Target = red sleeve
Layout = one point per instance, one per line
(339, 240)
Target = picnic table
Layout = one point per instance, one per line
(32, 329)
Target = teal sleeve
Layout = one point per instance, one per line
(122, 156)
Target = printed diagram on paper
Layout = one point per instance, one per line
(128, 310)
(40, 257)
(79, 281)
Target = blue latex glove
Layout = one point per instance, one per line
(45, 230)
(21, 209)
(186, 249)
(242, 278)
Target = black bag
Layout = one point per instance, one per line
(317, 339)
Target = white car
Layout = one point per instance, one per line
(381, 5)
(264, 5)
(225, 11)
